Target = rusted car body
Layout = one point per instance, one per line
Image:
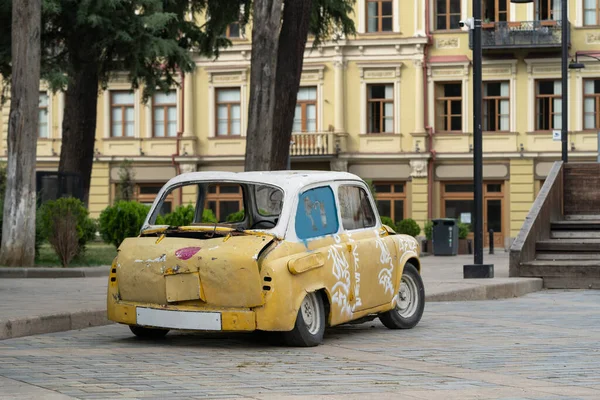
(308, 252)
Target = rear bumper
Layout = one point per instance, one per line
(181, 317)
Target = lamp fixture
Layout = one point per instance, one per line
(575, 64)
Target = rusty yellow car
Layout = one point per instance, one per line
(290, 252)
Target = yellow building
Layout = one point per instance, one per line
(393, 105)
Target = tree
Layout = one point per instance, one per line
(86, 42)
(279, 35)
(18, 227)
(126, 186)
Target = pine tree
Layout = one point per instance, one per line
(87, 42)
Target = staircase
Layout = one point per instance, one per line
(560, 239)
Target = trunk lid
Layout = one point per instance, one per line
(221, 272)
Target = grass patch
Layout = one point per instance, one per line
(96, 253)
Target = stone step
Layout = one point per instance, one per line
(564, 274)
(575, 235)
(587, 225)
(582, 217)
(570, 245)
(567, 256)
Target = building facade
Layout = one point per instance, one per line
(392, 105)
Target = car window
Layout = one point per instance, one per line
(355, 208)
(316, 214)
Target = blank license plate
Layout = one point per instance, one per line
(194, 320)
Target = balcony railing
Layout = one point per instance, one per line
(317, 144)
(522, 34)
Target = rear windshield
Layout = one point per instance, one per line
(247, 206)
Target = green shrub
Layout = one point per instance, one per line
(122, 220)
(236, 216)
(66, 224)
(209, 216)
(409, 227)
(428, 229)
(184, 215)
(388, 221)
(463, 230)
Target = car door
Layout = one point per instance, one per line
(316, 224)
(372, 256)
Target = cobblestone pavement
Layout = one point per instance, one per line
(541, 346)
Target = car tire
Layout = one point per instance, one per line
(148, 333)
(310, 323)
(410, 301)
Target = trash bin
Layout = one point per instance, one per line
(445, 237)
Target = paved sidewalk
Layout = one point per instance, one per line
(543, 346)
(34, 306)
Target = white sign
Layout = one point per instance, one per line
(465, 218)
(556, 135)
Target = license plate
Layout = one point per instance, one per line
(193, 320)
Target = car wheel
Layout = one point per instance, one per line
(148, 333)
(410, 302)
(310, 323)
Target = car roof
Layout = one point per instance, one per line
(287, 180)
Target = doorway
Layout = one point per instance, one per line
(458, 203)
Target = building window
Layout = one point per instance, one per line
(496, 10)
(43, 115)
(546, 10)
(591, 12)
(305, 117)
(146, 193)
(548, 105)
(224, 200)
(591, 104)
(379, 16)
(380, 108)
(390, 200)
(233, 31)
(447, 14)
(228, 112)
(121, 114)
(448, 107)
(496, 103)
(164, 114)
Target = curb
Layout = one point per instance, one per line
(58, 272)
(27, 326)
(493, 291)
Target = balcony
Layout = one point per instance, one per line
(317, 144)
(543, 35)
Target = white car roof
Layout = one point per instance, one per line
(289, 181)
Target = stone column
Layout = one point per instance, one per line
(419, 98)
(338, 102)
(188, 105)
(419, 191)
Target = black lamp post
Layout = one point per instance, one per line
(478, 269)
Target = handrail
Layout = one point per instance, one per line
(546, 208)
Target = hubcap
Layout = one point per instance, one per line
(311, 313)
(408, 297)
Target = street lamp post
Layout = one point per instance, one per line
(564, 135)
(478, 269)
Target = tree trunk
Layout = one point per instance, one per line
(265, 39)
(290, 58)
(79, 125)
(273, 96)
(18, 228)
